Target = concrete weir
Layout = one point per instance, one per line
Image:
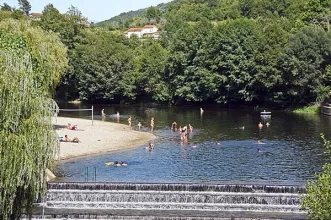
(169, 201)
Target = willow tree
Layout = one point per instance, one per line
(31, 64)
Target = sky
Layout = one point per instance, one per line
(94, 10)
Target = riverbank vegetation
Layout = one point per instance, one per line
(31, 64)
(211, 51)
(317, 201)
(312, 109)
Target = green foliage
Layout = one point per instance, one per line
(25, 6)
(314, 109)
(6, 7)
(151, 75)
(31, 63)
(222, 51)
(153, 13)
(318, 199)
(303, 65)
(104, 66)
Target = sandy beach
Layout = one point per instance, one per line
(97, 139)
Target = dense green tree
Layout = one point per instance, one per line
(31, 64)
(151, 71)
(6, 7)
(153, 13)
(317, 12)
(104, 67)
(230, 54)
(25, 6)
(303, 66)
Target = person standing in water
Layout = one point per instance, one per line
(190, 127)
(129, 121)
(260, 125)
(139, 126)
(103, 114)
(152, 124)
(174, 126)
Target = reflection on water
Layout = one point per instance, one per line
(290, 154)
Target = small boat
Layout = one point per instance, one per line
(265, 113)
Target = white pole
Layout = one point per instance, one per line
(92, 115)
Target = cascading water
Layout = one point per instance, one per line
(88, 198)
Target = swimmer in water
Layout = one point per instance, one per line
(194, 145)
(123, 164)
(259, 150)
(218, 143)
(259, 142)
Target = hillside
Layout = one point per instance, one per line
(128, 15)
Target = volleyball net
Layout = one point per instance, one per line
(57, 110)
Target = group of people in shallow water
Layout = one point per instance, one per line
(184, 131)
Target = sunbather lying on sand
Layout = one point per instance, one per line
(74, 127)
(74, 140)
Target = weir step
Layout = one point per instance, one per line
(175, 197)
(240, 201)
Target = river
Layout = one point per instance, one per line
(291, 149)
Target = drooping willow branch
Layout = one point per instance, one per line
(27, 140)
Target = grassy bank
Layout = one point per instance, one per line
(313, 109)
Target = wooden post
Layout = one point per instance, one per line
(92, 115)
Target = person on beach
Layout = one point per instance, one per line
(117, 114)
(152, 124)
(174, 126)
(139, 126)
(129, 121)
(201, 111)
(260, 125)
(75, 140)
(74, 128)
(267, 124)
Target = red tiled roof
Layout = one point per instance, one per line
(134, 29)
(36, 14)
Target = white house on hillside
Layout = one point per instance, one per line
(146, 31)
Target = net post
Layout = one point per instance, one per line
(92, 115)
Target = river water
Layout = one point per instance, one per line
(292, 149)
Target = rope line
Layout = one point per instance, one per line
(73, 110)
